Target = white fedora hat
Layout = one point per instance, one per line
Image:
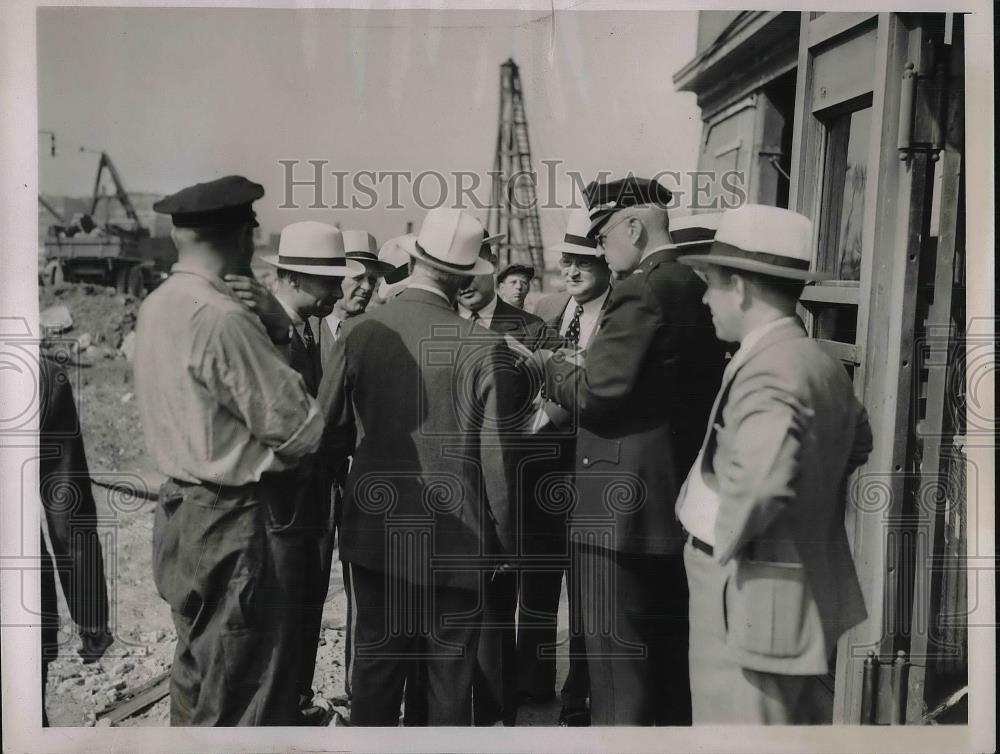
(361, 246)
(575, 240)
(315, 249)
(395, 253)
(450, 240)
(759, 238)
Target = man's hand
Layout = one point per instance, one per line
(262, 302)
(95, 644)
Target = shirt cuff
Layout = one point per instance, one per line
(306, 438)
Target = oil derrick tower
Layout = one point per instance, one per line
(513, 206)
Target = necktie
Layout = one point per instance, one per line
(475, 316)
(573, 331)
(307, 337)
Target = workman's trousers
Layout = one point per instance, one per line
(317, 564)
(226, 562)
(397, 624)
(635, 623)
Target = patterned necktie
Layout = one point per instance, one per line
(308, 338)
(573, 331)
(475, 316)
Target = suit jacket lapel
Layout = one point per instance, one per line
(782, 332)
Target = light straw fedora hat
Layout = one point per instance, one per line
(763, 239)
(450, 240)
(313, 248)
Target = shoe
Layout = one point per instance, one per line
(314, 715)
(574, 717)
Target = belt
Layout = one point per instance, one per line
(700, 544)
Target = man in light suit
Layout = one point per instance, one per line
(770, 572)
(645, 387)
(419, 403)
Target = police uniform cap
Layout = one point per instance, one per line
(224, 201)
(604, 199)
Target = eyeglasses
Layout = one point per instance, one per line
(583, 264)
(602, 237)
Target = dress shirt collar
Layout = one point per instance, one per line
(431, 289)
(485, 314)
(592, 307)
(754, 336)
(292, 314)
(334, 323)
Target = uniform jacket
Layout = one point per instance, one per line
(431, 482)
(787, 433)
(652, 370)
(70, 514)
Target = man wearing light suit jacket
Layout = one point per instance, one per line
(770, 572)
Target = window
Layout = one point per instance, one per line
(845, 178)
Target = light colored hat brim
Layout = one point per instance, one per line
(481, 267)
(750, 265)
(688, 246)
(495, 238)
(347, 269)
(387, 291)
(572, 248)
(378, 265)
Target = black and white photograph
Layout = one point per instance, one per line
(549, 365)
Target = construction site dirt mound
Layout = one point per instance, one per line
(104, 314)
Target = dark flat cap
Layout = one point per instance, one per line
(513, 268)
(604, 199)
(224, 201)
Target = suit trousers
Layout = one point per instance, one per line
(397, 624)
(722, 692)
(231, 571)
(537, 637)
(317, 563)
(494, 691)
(635, 623)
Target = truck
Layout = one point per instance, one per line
(122, 254)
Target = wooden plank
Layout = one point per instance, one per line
(880, 328)
(845, 72)
(928, 580)
(846, 352)
(831, 294)
(829, 26)
(138, 701)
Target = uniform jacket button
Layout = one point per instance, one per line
(586, 461)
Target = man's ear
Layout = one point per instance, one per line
(636, 230)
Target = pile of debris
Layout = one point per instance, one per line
(96, 321)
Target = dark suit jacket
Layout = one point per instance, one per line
(787, 433)
(527, 328)
(652, 371)
(431, 484)
(70, 514)
(551, 306)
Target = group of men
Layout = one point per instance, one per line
(469, 457)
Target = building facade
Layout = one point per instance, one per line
(856, 120)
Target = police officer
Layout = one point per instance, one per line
(224, 416)
(647, 384)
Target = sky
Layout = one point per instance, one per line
(179, 95)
